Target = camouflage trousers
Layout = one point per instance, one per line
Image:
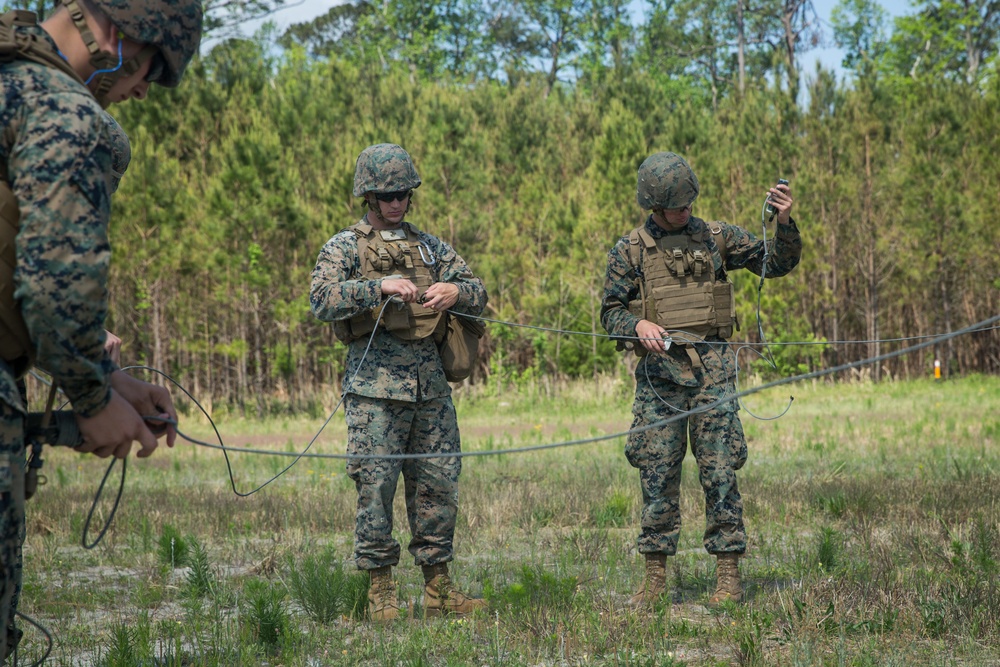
(12, 462)
(380, 426)
(719, 448)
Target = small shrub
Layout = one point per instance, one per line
(324, 590)
(828, 549)
(173, 549)
(535, 588)
(201, 577)
(263, 613)
(130, 644)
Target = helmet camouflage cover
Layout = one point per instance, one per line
(172, 26)
(384, 168)
(666, 181)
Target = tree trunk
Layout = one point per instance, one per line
(741, 43)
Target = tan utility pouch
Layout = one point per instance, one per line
(460, 347)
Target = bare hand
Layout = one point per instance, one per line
(440, 296)
(113, 346)
(400, 287)
(112, 431)
(148, 400)
(651, 336)
(781, 200)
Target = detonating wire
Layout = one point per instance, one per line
(803, 343)
(50, 642)
(97, 498)
(737, 395)
(582, 441)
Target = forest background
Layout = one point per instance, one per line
(527, 120)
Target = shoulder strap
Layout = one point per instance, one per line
(720, 240)
(638, 238)
(362, 230)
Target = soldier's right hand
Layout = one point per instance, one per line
(112, 431)
(400, 287)
(650, 335)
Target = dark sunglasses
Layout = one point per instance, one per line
(392, 196)
(156, 67)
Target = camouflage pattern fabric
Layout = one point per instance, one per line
(173, 26)
(12, 463)
(400, 402)
(377, 426)
(394, 369)
(668, 383)
(665, 181)
(384, 168)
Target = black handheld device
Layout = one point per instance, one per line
(770, 209)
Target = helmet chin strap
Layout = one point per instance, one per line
(110, 70)
(108, 67)
(373, 207)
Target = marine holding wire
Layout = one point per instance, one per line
(667, 296)
(56, 177)
(386, 285)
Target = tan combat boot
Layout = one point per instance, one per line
(382, 602)
(727, 573)
(441, 597)
(655, 583)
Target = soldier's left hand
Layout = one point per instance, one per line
(440, 296)
(148, 400)
(781, 199)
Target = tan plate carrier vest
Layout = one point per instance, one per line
(15, 343)
(387, 252)
(677, 285)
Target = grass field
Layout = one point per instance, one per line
(873, 513)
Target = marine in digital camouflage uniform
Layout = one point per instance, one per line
(398, 400)
(58, 160)
(694, 369)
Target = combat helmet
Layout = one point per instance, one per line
(384, 168)
(666, 181)
(169, 29)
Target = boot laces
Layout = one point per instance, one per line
(384, 589)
